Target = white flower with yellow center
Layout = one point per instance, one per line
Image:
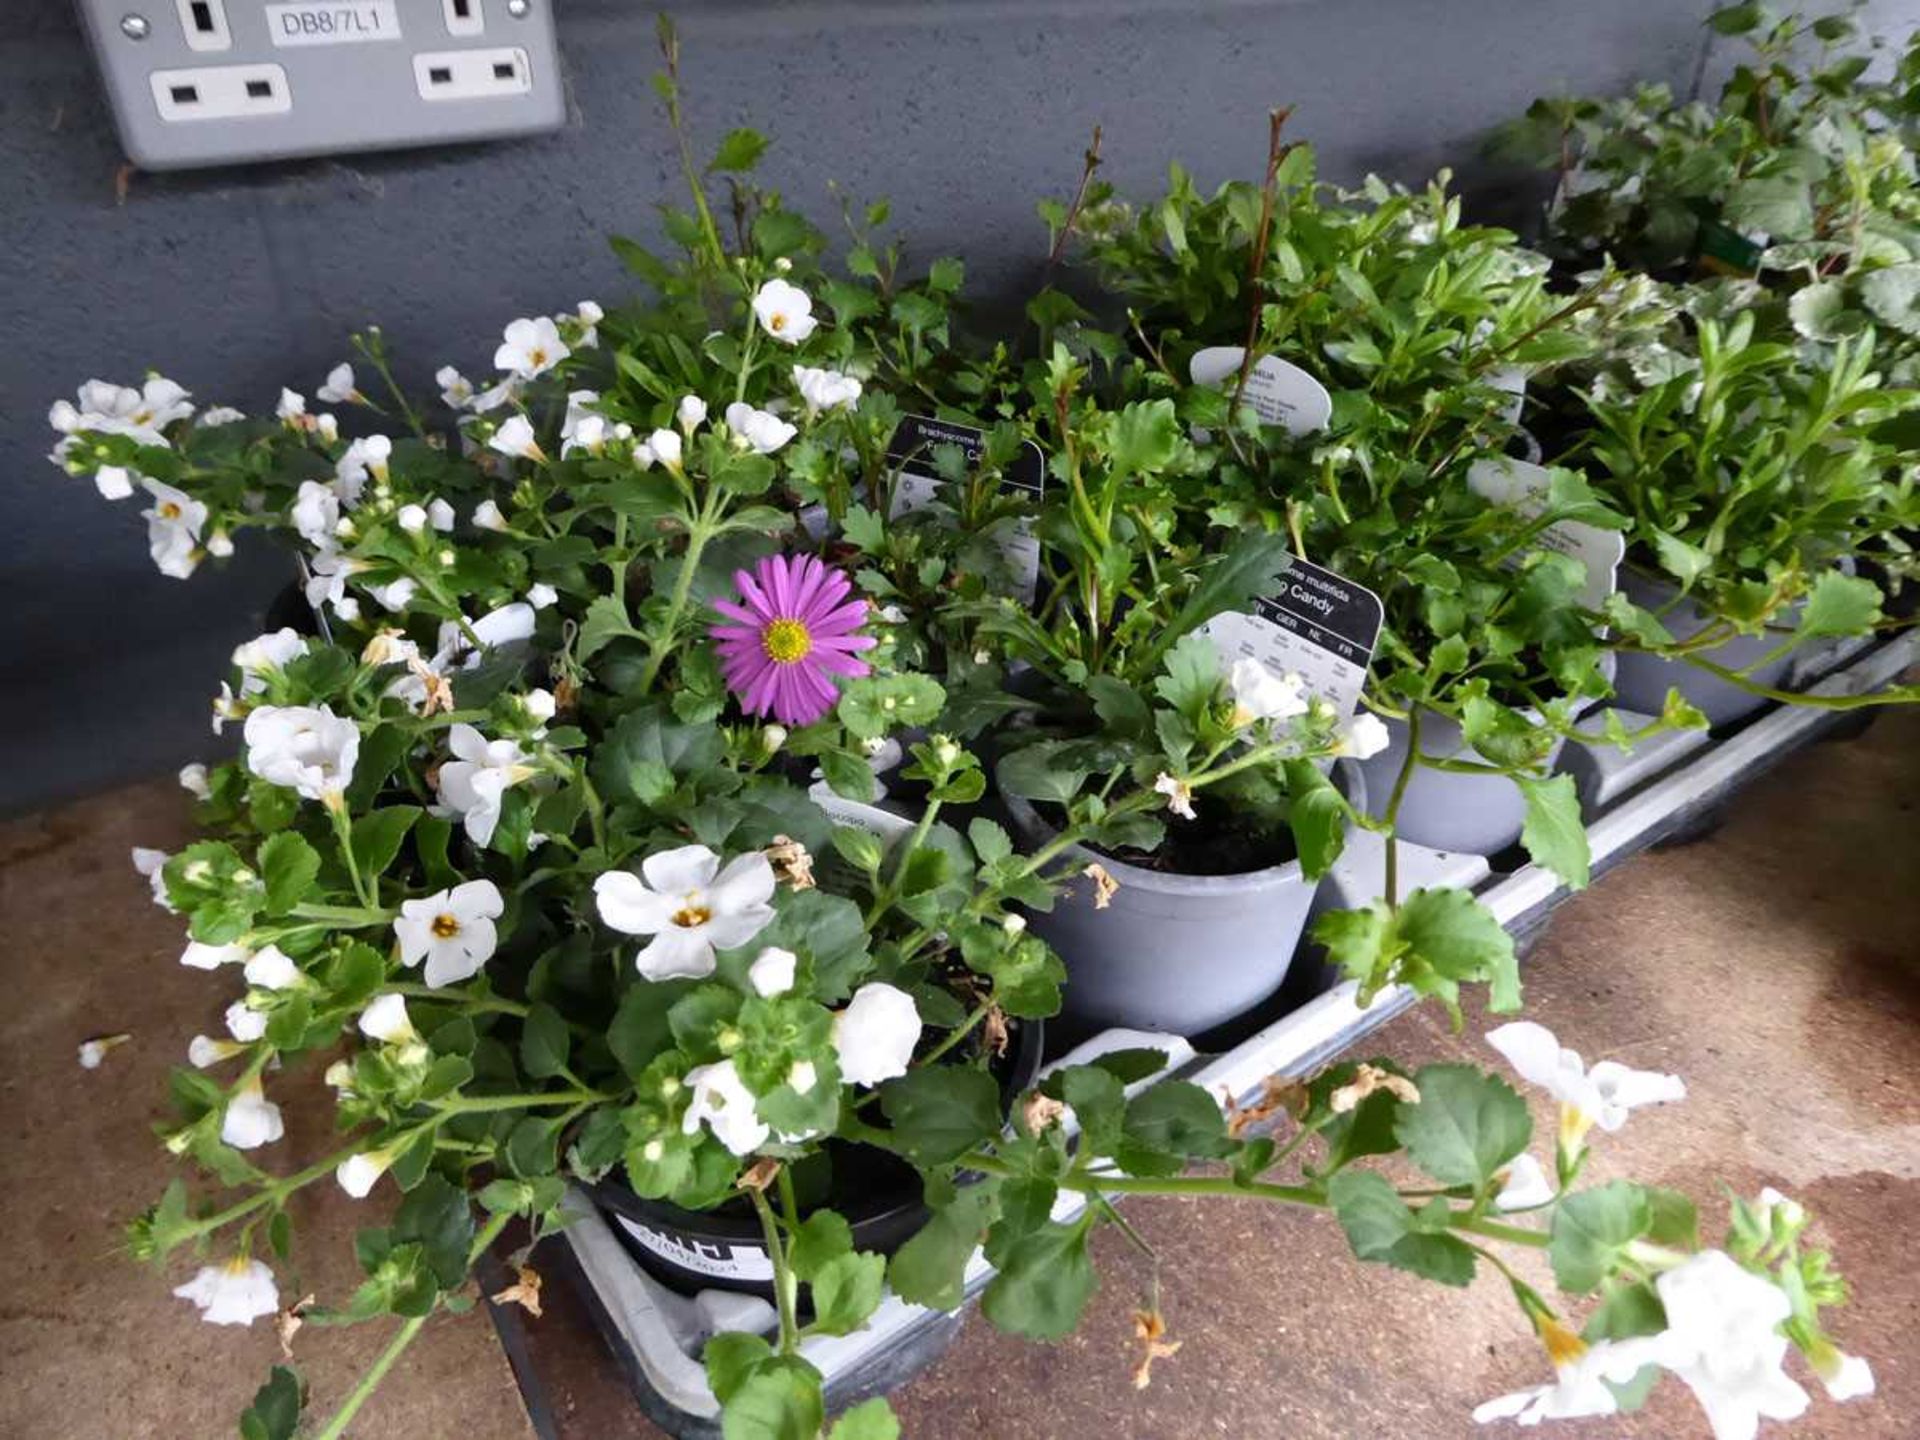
(763, 431)
(173, 529)
(306, 748)
(515, 437)
(339, 388)
(251, 1120)
(530, 348)
(1723, 1339)
(455, 389)
(1524, 1185)
(690, 905)
(875, 1035)
(690, 412)
(1179, 794)
(1260, 694)
(452, 931)
(1601, 1096)
(722, 1102)
(292, 406)
(358, 1173)
(487, 516)
(108, 409)
(266, 655)
(387, 1021)
(316, 512)
(471, 785)
(363, 458)
(236, 1293)
(272, 969)
(1585, 1376)
(1364, 737)
(664, 446)
(784, 312)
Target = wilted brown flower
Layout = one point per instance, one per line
(791, 862)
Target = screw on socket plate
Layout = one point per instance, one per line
(135, 27)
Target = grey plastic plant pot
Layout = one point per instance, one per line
(1461, 814)
(1642, 681)
(1173, 953)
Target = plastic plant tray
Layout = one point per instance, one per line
(1663, 789)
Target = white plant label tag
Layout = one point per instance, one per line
(703, 1257)
(1524, 487)
(883, 825)
(1318, 625)
(1280, 393)
(918, 483)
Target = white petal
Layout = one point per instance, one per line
(683, 870)
(630, 907)
(676, 953)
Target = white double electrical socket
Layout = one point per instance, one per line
(215, 82)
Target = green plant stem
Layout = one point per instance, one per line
(958, 1033)
(1392, 812)
(274, 1191)
(661, 641)
(486, 1004)
(786, 1286)
(346, 915)
(483, 1104)
(890, 892)
(343, 828)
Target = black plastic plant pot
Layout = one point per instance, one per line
(723, 1249)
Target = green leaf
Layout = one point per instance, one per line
(1044, 1282)
(1736, 19)
(779, 1400)
(1892, 293)
(289, 866)
(1840, 605)
(1035, 772)
(1779, 206)
(641, 1030)
(822, 1237)
(606, 619)
(275, 1412)
(940, 1113)
(436, 1216)
(1555, 835)
(1684, 561)
(1451, 933)
(1625, 1311)
(1467, 1126)
(1380, 1227)
(1591, 1231)
(1169, 1124)
(740, 150)
(377, 837)
(930, 1269)
(1815, 309)
(846, 1290)
(731, 1357)
(869, 1420)
(1317, 815)
(878, 704)
(1145, 438)
(545, 1042)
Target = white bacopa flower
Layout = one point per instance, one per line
(387, 1021)
(1259, 694)
(220, 545)
(875, 1035)
(1847, 1377)
(1523, 1185)
(539, 704)
(664, 446)
(541, 595)
(116, 482)
(272, 969)
(455, 389)
(218, 415)
(784, 311)
(306, 748)
(292, 405)
(722, 1102)
(508, 625)
(316, 512)
(173, 529)
(236, 1293)
(690, 412)
(1363, 738)
(394, 596)
(495, 396)
(245, 1023)
(440, 515)
(93, 1051)
(515, 437)
(1723, 1339)
(1601, 1096)
(367, 456)
(763, 430)
(825, 389)
(643, 456)
(690, 905)
(327, 426)
(264, 654)
(109, 409)
(487, 516)
(587, 316)
(339, 388)
(1585, 1374)
(772, 972)
(772, 737)
(452, 931)
(193, 780)
(411, 518)
(481, 772)
(530, 348)
(201, 956)
(357, 1173)
(1179, 794)
(251, 1120)
(152, 864)
(204, 1052)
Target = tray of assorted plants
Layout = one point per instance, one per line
(812, 806)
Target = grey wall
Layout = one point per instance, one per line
(963, 111)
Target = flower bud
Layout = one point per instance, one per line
(772, 737)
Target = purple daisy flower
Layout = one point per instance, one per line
(781, 648)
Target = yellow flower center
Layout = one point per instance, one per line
(786, 641)
(1574, 1124)
(537, 355)
(145, 417)
(446, 926)
(169, 510)
(692, 914)
(777, 322)
(1563, 1346)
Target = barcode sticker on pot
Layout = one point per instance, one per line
(1524, 487)
(1318, 625)
(703, 1257)
(1280, 393)
(914, 447)
(883, 825)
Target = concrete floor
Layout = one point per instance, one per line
(1776, 966)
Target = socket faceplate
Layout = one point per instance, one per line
(347, 75)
